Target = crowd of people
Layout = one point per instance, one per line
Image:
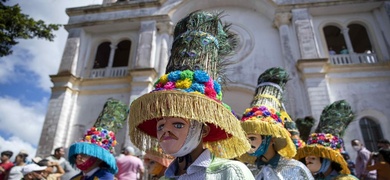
(188, 132)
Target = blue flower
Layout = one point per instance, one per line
(197, 87)
(217, 87)
(188, 89)
(174, 76)
(201, 76)
(266, 113)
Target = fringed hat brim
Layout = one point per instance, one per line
(324, 152)
(226, 138)
(94, 151)
(283, 143)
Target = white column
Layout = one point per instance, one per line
(110, 60)
(381, 17)
(165, 30)
(305, 32)
(71, 52)
(314, 76)
(294, 94)
(348, 42)
(146, 45)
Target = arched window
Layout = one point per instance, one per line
(359, 38)
(334, 38)
(102, 55)
(122, 54)
(372, 132)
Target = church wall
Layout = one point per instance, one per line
(368, 96)
(88, 108)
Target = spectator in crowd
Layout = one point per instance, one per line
(381, 165)
(351, 164)
(383, 144)
(331, 51)
(129, 166)
(50, 173)
(58, 156)
(33, 172)
(362, 159)
(344, 50)
(6, 164)
(16, 171)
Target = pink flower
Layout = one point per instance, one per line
(169, 85)
(209, 84)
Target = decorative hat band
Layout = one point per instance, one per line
(101, 137)
(270, 84)
(262, 113)
(326, 140)
(261, 96)
(197, 81)
(206, 38)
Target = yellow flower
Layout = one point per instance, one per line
(184, 84)
(164, 79)
(88, 138)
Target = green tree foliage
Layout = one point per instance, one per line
(15, 25)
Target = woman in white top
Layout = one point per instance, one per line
(16, 171)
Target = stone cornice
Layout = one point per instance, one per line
(117, 6)
(158, 18)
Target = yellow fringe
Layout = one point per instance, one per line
(324, 152)
(283, 143)
(192, 106)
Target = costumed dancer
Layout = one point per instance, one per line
(184, 114)
(322, 152)
(271, 145)
(93, 155)
(157, 162)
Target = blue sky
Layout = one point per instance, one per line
(24, 76)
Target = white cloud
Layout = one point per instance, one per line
(15, 145)
(24, 122)
(45, 56)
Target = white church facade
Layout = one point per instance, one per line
(332, 49)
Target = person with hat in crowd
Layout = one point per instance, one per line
(16, 171)
(271, 144)
(33, 172)
(58, 156)
(5, 164)
(93, 155)
(156, 162)
(129, 166)
(322, 152)
(184, 114)
(53, 169)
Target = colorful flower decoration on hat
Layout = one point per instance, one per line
(262, 113)
(101, 137)
(197, 81)
(326, 140)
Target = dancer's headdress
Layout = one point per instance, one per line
(99, 141)
(264, 117)
(327, 140)
(191, 88)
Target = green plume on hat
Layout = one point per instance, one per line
(266, 86)
(113, 115)
(201, 42)
(335, 118)
(304, 126)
